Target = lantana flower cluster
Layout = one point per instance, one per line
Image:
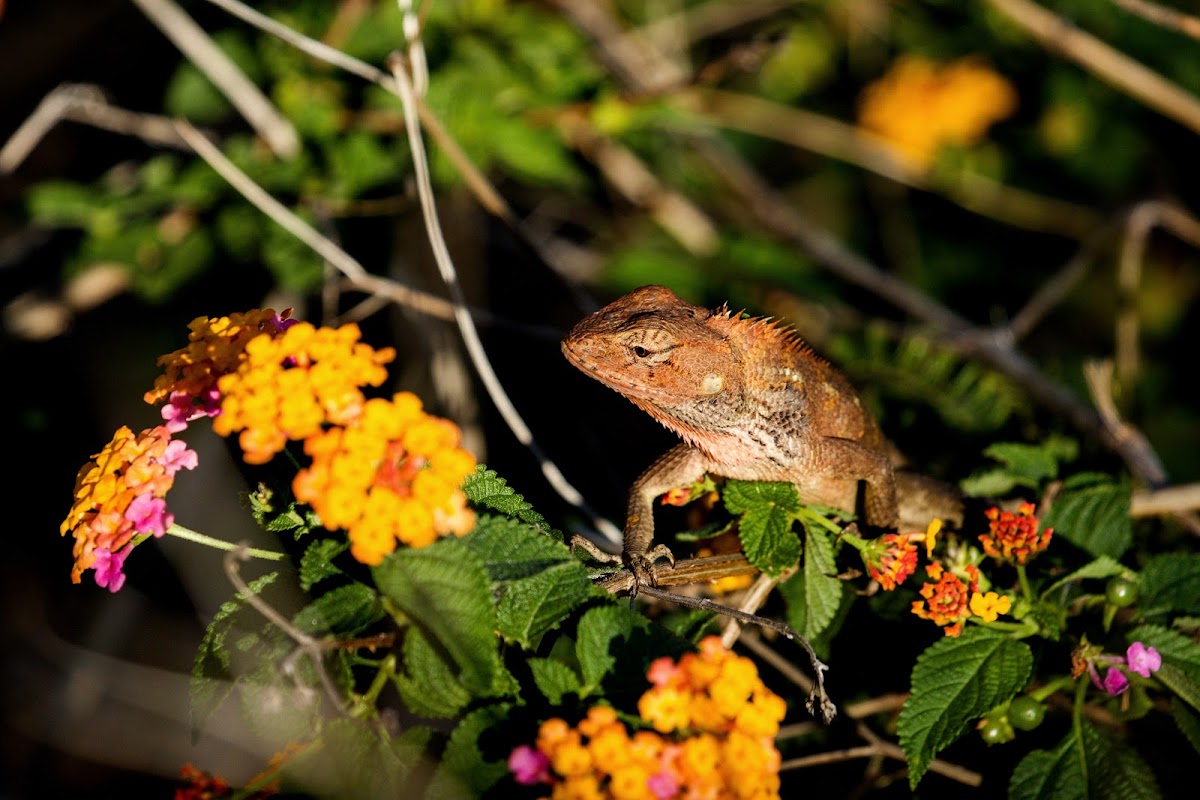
(920, 105)
(119, 495)
(391, 475)
(383, 470)
(952, 594)
(710, 728)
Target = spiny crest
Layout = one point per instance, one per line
(763, 331)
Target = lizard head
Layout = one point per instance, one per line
(659, 351)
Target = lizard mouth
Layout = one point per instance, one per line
(579, 355)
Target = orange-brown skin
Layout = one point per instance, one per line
(749, 399)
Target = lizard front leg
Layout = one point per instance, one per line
(847, 459)
(679, 466)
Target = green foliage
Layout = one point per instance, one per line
(1087, 764)
(1093, 512)
(1022, 465)
(1171, 583)
(767, 511)
(954, 682)
(967, 395)
(445, 587)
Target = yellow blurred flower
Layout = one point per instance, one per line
(920, 105)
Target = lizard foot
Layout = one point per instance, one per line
(642, 566)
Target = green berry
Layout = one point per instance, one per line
(1121, 592)
(1025, 713)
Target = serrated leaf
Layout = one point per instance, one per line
(1029, 464)
(1188, 722)
(822, 590)
(1049, 775)
(767, 510)
(1093, 513)
(353, 760)
(554, 679)
(425, 686)
(487, 489)
(1114, 770)
(995, 482)
(446, 590)
(1102, 567)
(602, 632)
(1171, 582)
(317, 562)
(212, 682)
(537, 580)
(955, 681)
(464, 770)
(345, 611)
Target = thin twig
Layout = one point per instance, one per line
(466, 325)
(1058, 35)
(305, 644)
(360, 278)
(83, 103)
(819, 703)
(1170, 500)
(1099, 376)
(1162, 15)
(192, 40)
(751, 603)
(833, 138)
(674, 212)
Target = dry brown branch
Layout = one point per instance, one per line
(630, 55)
(751, 603)
(1162, 15)
(83, 103)
(709, 19)
(1059, 35)
(1168, 501)
(192, 40)
(1099, 376)
(833, 138)
(677, 215)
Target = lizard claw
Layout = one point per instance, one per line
(643, 569)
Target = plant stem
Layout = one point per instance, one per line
(221, 544)
(1023, 579)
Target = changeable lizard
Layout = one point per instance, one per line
(751, 401)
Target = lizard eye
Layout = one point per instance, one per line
(640, 351)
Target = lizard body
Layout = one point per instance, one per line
(749, 399)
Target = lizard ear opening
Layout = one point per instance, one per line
(712, 383)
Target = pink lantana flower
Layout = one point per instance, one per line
(110, 567)
(177, 456)
(529, 765)
(149, 514)
(1143, 660)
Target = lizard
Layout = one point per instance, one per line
(751, 401)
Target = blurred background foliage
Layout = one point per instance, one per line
(628, 138)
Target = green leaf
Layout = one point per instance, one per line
(1102, 567)
(446, 590)
(1029, 464)
(1188, 722)
(212, 680)
(345, 611)
(487, 489)
(425, 686)
(955, 681)
(554, 679)
(537, 579)
(464, 770)
(1093, 512)
(317, 562)
(822, 590)
(359, 162)
(1050, 774)
(767, 510)
(1170, 582)
(354, 759)
(604, 632)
